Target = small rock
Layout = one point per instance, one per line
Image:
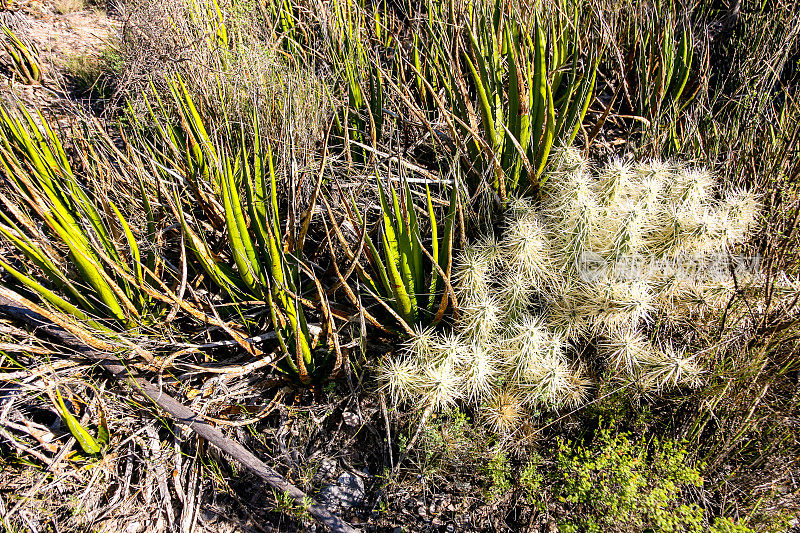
(347, 493)
(207, 515)
(352, 489)
(327, 469)
(351, 419)
(328, 497)
(463, 486)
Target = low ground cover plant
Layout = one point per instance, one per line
(617, 483)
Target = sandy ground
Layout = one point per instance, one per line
(63, 32)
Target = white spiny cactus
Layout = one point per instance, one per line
(669, 367)
(480, 372)
(471, 275)
(626, 350)
(422, 345)
(401, 378)
(481, 319)
(504, 411)
(600, 260)
(490, 250)
(441, 386)
(517, 292)
(451, 348)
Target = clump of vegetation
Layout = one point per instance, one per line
(226, 55)
(411, 282)
(610, 259)
(619, 483)
(452, 446)
(93, 75)
(24, 57)
(65, 7)
(277, 193)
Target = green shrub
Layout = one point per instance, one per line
(447, 438)
(498, 470)
(451, 447)
(532, 482)
(620, 484)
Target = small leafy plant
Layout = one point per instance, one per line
(616, 483)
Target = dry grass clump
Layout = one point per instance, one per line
(606, 258)
(65, 7)
(231, 63)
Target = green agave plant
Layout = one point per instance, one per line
(78, 238)
(410, 280)
(660, 64)
(24, 57)
(207, 14)
(543, 103)
(513, 86)
(232, 189)
(287, 25)
(350, 37)
(508, 87)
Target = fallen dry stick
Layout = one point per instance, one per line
(22, 309)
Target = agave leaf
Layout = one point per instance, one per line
(84, 438)
(539, 89)
(23, 56)
(244, 253)
(435, 250)
(103, 435)
(394, 261)
(549, 134)
(374, 257)
(481, 86)
(35, 254)
(50, 296)
(203, 254)
(684, 65)
(413, 236)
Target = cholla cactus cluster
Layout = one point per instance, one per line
(603, 259)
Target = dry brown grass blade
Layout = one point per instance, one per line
(309, 214)
(20, 348)
(37, 372)
(342, 281)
